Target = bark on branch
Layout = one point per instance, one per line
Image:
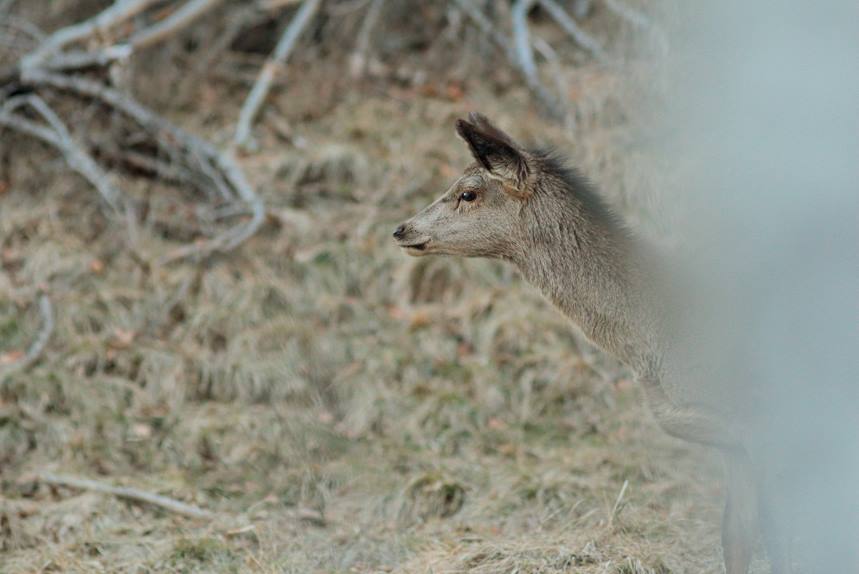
(579, 36)
(57, 135)
(519, 62)
(260, 90)
(218, 168)
(119, 12)
(128, 493)
(46, 309)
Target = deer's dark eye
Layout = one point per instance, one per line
(468, 196)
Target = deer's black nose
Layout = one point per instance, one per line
(400, 231)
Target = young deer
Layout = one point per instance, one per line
(525, 207)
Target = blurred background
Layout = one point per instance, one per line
(199, 296)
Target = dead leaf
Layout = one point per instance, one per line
(454, 91)
(397, 313)
(142, 430)
(496, 424)
(420, 319)
(11, 357)
(122, 338)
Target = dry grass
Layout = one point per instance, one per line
(340, 407)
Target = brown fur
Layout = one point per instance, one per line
(530, 210)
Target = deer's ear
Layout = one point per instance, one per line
(495, 151)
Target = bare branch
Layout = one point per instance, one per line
(272, 5)
(77, 60)
(58, 136)
(581, 8)
(521, 36)
(5, 6)
(129, 493)
(119, 12)
(545, 50)
(525, 57)
(485, 25)
(167, 135)
(196, 153)
(31, 129)
(263, 84)
(140, 162)
(569, 25)
(24, 26)
(182, 18)
(550, 104)
(358, 63)
(39, 343)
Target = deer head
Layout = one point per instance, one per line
(479, 215)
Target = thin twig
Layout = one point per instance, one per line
(581, 8)
(5, 6)
(79, 59)
(24, 26)
(569, 25)
(37, 347)
(358, 63)
(165, 134)
(272, 5)
(147, 164)
(618, 502)
(58, 136)
(503, 43)
(238, 22)
(128, 493)
(522, 39)
(182, 18)
(119, 12)
(549, 54)
(176, 142)
(525, 57)
(258, 93)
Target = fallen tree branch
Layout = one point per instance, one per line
(579, 36)
(119, 12)
(78, 60)
(194, 152)
(166, 150)
(260, 90)
(59, 137)
(142, 163)
(23, 26)
(38, 345)
(128, 493)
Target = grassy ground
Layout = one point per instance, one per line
(342, 408)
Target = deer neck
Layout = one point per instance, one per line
(585, 267)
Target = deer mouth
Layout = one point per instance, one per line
(415, 248)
